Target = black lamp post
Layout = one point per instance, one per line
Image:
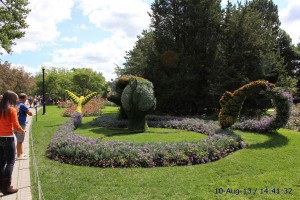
(44, 103)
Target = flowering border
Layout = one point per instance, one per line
(68, 147)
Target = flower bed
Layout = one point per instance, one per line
(207, 127)
(92, 108)
(65, 104)
(262, 125)
(68, 147)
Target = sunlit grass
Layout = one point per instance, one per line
(270, 161)
(152, 135)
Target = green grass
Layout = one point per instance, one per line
(152, 135)
(270, 161)
(123, 134)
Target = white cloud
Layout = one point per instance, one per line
(223, 3)
(127, 18)
(124, 19)
(29, 69)
(83, 27)
(70, 39)
(290, 19)
(100, 56)
(43, 20)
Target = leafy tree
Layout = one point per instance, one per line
(107, 90)
(86, 81)
(81, 81)
(15, 79)
(12, 22)
(57, 80)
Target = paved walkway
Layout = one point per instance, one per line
(21, 173)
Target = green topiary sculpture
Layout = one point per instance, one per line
(232, 103)
(116, 93)
(80, 101)
(136, 99)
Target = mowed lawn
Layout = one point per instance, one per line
(269, 168)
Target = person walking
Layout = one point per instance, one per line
(8, 123)
(23, 111)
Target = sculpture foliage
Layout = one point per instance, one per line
(80, 101)
(136, 97)
(232, 103)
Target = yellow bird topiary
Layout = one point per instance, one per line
(80, 101)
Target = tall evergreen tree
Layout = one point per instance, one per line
(247, 49)
(291, 58)
(185, 37)
(137, 59)
(199, 51)
(289, 52)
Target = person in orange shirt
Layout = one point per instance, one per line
(8, 123)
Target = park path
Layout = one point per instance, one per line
(21, 173)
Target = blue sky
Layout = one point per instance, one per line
(96, 34)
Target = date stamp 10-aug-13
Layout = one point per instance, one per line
(254, 191)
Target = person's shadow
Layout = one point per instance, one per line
(275, 140)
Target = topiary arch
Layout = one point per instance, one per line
(232, 103)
